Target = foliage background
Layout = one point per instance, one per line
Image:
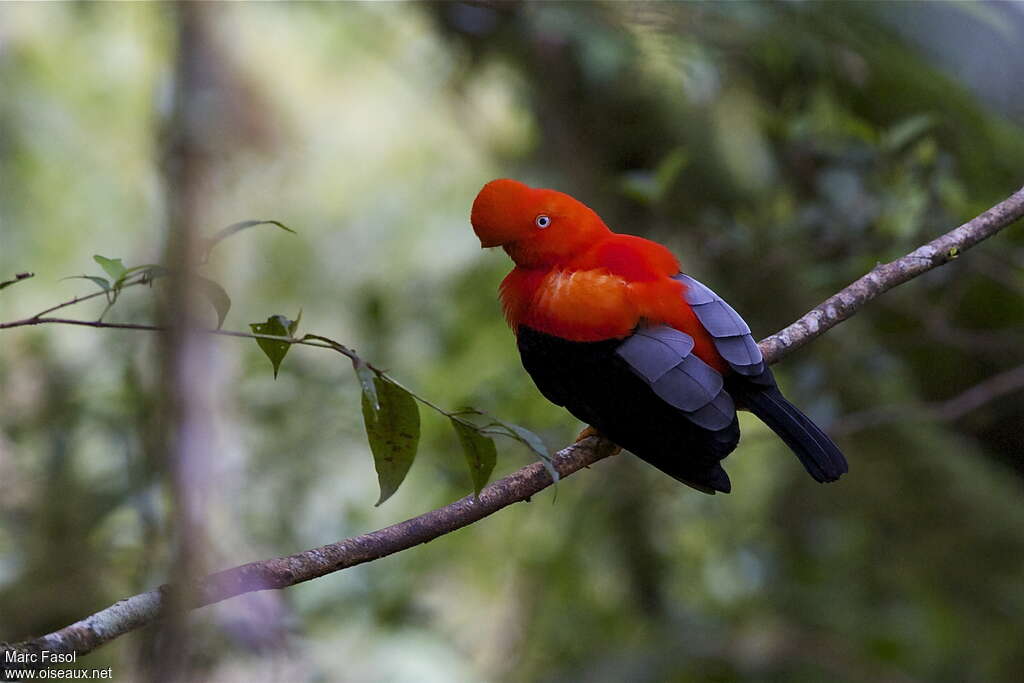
(780, 149)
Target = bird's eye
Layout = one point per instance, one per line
(542, 221)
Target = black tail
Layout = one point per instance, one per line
(819, 454)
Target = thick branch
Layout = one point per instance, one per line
(135, 612)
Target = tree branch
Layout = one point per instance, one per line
(884, 277)
(135, 612)
(38, 317)
(281, 572)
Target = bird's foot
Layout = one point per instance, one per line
(590, 431)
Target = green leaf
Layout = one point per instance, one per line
(278, 326)
(223, 234)
(218, 298)
(393, 431)
(536, 444)
(366, 377)
(18, 277)
(533, 442)
(527, 437)
(113, 266)
(102, 282)
(480, 451)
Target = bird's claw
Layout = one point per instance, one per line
(590, 431)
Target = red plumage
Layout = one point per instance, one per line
(576, 279)
(608, 327)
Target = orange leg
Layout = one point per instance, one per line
(590, 431)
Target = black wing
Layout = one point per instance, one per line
(649, 394)
(663, 357)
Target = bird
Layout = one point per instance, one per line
(609, 328)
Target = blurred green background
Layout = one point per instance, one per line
(780, 149)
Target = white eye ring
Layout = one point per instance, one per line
(542, 221)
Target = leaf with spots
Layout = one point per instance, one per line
(393, 430)
(278, 326)
(481, 454)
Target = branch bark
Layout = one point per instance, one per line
(137, 611)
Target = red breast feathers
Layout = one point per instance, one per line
(575, 278)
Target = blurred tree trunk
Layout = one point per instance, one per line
(185, 424)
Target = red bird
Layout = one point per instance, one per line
(610, 329)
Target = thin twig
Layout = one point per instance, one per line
(18, 277)
(135, 612)
(33, 320)
(160, 328)
(314, 340)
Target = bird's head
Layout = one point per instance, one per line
(536, 227)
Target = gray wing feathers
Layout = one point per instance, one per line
(739, 350)
(662, 357)
(720, 320)
(696, 293)
(716, 415)
(690, 385)
(653, 351)
(728, 330)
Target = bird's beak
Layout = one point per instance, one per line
(487, 243)
(496, 233)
